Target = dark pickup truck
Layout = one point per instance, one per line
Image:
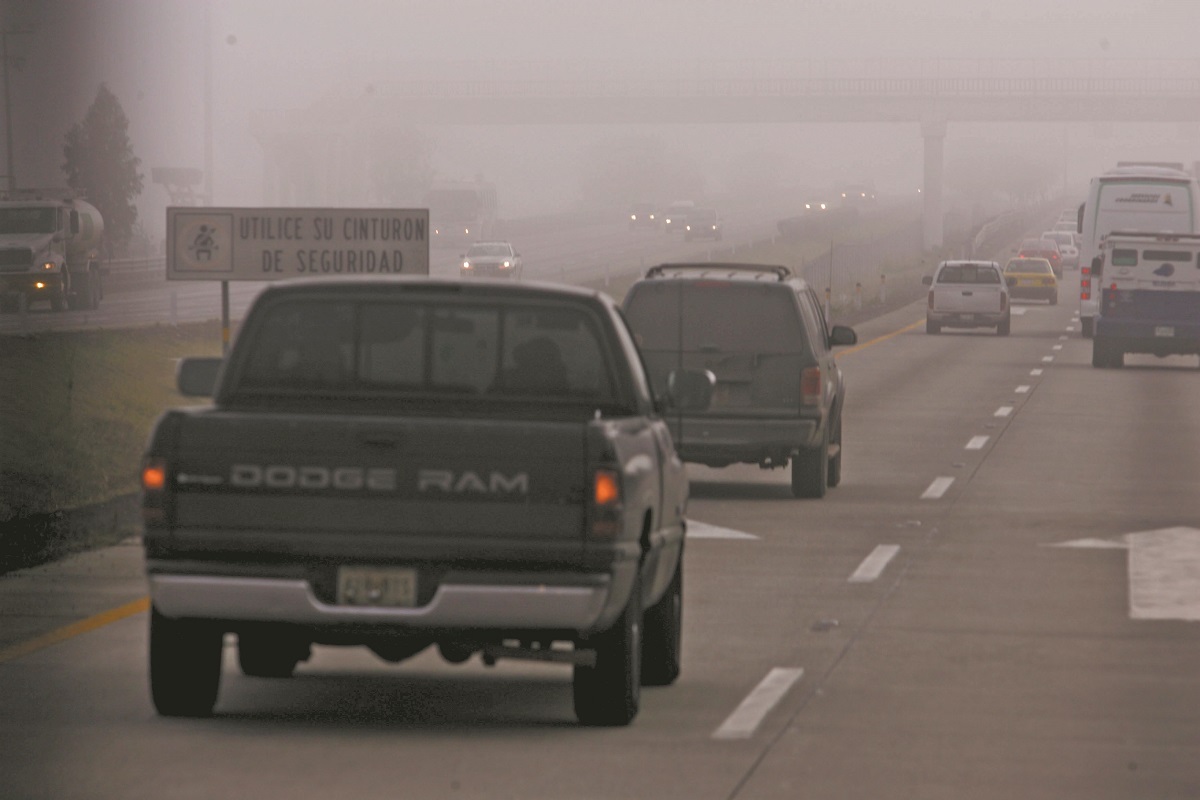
(402, 463)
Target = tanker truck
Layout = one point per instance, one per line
(50, 249)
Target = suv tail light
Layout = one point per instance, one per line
(606, 504)
(155, 494)
(811, 386)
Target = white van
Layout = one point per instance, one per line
(1150, 296)
(1151, 199)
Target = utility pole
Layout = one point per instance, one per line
(4, 65)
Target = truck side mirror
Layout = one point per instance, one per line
(1079, 219)
(842, 335)
(197, 377)
(690, 389)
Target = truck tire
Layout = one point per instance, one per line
(662, 641)
(1107, 356)
(835, 462)
(932, 327)
(185, 665)
(810, 471)
(609, 692)
(1005, 327)
(263, 655)
(1087, 326)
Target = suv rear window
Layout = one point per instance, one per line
(715, 316)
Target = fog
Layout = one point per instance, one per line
(326, 66)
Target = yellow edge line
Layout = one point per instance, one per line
(143, 604)
(74, 629)
(883, 338)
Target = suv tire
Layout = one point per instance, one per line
(662, 641)
(185, 665)
(835, 463)
(609, 692)
(810, 470)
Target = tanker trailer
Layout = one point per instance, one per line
(50, 249)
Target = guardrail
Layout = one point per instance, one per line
(121, 274)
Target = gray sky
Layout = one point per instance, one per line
(287, 54)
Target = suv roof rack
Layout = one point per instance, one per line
(721, 269)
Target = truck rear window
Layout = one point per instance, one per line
(426, 348)
(969, 273)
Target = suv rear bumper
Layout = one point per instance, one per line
(454, 605)
(718, 442)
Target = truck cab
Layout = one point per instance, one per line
(49, 250)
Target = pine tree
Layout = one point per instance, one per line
(100, 162)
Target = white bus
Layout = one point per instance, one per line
(1133, 197)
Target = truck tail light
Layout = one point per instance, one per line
(606, 504)
(811, 387)
(154, 491)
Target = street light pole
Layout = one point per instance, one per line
(8, 132)
(208, 122)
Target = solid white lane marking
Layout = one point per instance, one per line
(1057, 347)
(1035, 372)
(1164, 574)
(1023, 389)
(1003, 411)
(977, 442)
(937, 488)
(874, 565)
(702, 530)
(1047, 358)
(745, 719)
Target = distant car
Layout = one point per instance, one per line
(1066, 245)
(762, 334)
(675, 215)
(1043, 248)
(1034, 279)
(643, 215)
(702, 223)
(491, 260)
(817, 206)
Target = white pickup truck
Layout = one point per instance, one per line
(967, 294)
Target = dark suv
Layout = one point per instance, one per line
(762, 333)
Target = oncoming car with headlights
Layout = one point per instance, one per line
(490, 260)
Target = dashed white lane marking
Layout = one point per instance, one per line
(1057, 347)
(1019, 312)
(977, 442)
(937, 488)
(1047, 358)
(1035, 372)
(1003, 411)
(874, 565)
(1023, 389)
(702, 530)
(745, 719)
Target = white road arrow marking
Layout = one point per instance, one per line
(1164, 571)
(702, 530)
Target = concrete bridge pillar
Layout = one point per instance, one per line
(933, 130)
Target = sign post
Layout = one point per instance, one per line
(270, 244)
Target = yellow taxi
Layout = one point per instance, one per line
(1035, 279)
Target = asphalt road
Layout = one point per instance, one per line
(999, 601)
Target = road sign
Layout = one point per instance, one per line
(269, 244)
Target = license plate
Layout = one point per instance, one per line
(391, 587)
(1164, 330)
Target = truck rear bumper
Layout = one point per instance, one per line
(966, 319)
(478, 606)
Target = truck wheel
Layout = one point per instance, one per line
(931, 326)
(185, 665)
(1087, 326)
(609, 692)
(58, 300)
(810, 471)
(1005, 327)
(662, 644)
(263, 655)
(1106, 356)
(835, 463)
